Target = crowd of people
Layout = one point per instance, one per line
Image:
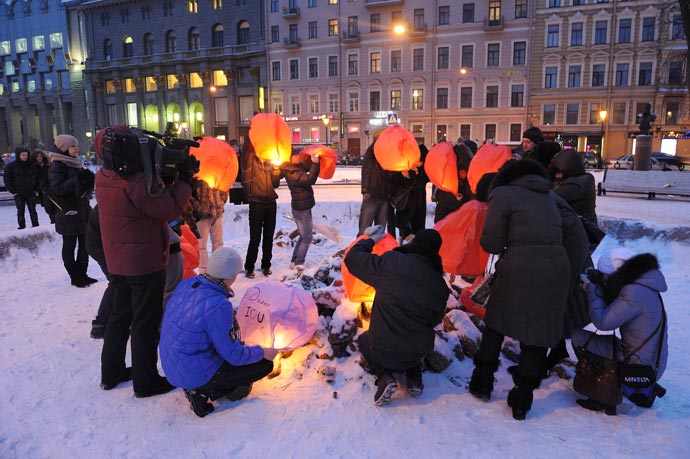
(533, 209)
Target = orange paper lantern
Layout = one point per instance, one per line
(441, 166)
(355, 289)
(397, 150)
(460, 231)
(270, 136)
(329, 158)
(218, 163)
(489, 158)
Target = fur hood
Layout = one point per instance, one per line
(513, 170)
(642, 269)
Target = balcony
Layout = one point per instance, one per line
(292, 43)
(375, 3)
(290, 12)
(350, 36)
(494, 24)
(418, 30)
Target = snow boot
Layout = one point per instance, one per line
(82, 267)
(521, 396)
(126, 376)
(387, 386)
(593, 405)
(415, 386)
(198, 402)
(238, 393)
(75, 276)
(482, 382)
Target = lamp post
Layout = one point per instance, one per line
(602, 117)
(326, 121)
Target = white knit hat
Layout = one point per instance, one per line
(609, 262)
(224, 263)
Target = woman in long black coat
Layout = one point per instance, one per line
(528, 300)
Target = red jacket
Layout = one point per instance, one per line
(134, 224)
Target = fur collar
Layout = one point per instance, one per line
(513, 170)
(628, 273)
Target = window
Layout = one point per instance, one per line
(148, 44)
(417, 99)
(375, 62)
(600, 32)
(352, 27)
(313, 30)
(443, 15)
(644, 76)
(552, 36)
(519, 52)
(39, 43)
(294, 69)
(243, 33)
(332, 27)
(195, 80)
(622, 74)
(672, 112)
(624, 28)
(150, 84)
(443, 58)
(194, 39)
(551, 77)
(490, 131)
(105, 19)
(576, 34)
(375, 23)
(675, 72)
(124, 16)
(311, 4)
(275, 34)
(219, 78)
(442, 131)
(396, 98)
(572, 113)
(313, 67)
(418, 59)
(173, 82)
(295, 105)
(594, 110)
(495, 13)
(517, 95)
(554, 3)
(574, 72)
(55, 40)
(396, 60)
(468, 56)
(192, 6)
(107, 50)
(491, 96)
(374, 101)
(127, 47)
(648, 29)
(332, 2)
(129, 86)
(217, 4)
(217, 37)
(549, 115)
(619, 110)
(170, 42)
(418, 23)
(333, 103)
(493, 55)
(465, 131)
(598, 74)
(332, 66)
(146, 13)
(465, 97)
(441, 98)
(353, 64)
(677, 32)
(520, 9)
(167, 9)
(274, 6)
(353, 101)
(467, 12)
(314, 103)
(515, 132)
(578, 2)
(292, 33)
(110, 87)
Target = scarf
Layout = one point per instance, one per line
(68, 161)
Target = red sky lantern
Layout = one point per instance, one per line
(397, 150)
(218, 163)
(270, 135)
(329, 158)
(441, 166)
(460, 231)
(489, 158)
(356, 290)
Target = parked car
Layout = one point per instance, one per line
(590, 160)
(626, 162)
(671, 161)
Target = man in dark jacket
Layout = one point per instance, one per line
(259, 179)
(534, 146)
(574, 184)
(21, 179)
(375, 192)
(410, 301)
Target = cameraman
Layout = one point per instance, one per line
(134, 210)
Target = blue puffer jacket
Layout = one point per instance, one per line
(198, 334)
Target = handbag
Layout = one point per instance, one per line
(594, 233)
(482, 291)
(596, 377)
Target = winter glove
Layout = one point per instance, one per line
(270, 353)
(375, 233)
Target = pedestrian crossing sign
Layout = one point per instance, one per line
(393, 118)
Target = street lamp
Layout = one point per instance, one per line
(602, 117)
(326, 121)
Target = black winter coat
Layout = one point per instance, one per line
(300, 183)
(578, 187)
(410, 299)
(524, 225)
(94, 244)
(374, 179)
(259, 178)
(21, 177)
(64, 182)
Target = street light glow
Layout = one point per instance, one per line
(399, 29)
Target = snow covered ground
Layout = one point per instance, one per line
(52, 406)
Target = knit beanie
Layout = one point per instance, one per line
(429, 238)
(534, 134)
(19, 150)
(609, 262)
(224, 263)
(64, 141)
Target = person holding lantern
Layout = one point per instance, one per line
(208, 205)
(200, 347)
(447, 202)
(375, 192)
(410, 301)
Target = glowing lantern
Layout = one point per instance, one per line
(396, 149)
(275, 315)
(441, 166)
(270, 136)
(355, 289)
(489, 158)
(218, 163)
(329, 158)
(190, 251)
(460, 231)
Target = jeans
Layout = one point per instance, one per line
(374, 211)
(214, 228)
(22, 202)
(304, 226)
(262, 222)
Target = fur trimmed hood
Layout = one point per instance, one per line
(514, 170)
(642, 269)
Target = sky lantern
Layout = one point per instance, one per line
(489, 158)
(460, 231)
(441, 166)
(329, 158)
(270, 135)
(218, 163)
(397, 150)
(275, 315)
(356, 290)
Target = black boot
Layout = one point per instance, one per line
(75, 276)
(82, 271)
(482, 382)
(556, 354)
(199, 402)
(520, 397)
(593, 405)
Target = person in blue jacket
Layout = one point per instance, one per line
(200, 347)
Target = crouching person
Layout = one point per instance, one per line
(200, 347)
(625, 293)
(410, 301)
